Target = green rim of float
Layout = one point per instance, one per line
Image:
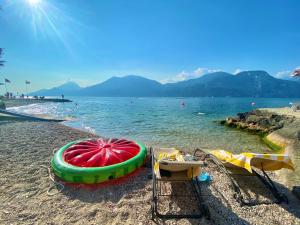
(94, 175)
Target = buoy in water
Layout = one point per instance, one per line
(182, 104)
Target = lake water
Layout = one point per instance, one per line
(186, 123)
(165, 122)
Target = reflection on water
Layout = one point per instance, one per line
(163, 121)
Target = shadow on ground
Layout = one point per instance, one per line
(112, 191)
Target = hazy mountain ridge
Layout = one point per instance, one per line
(69, 88)
(124, 86)
(218, 84)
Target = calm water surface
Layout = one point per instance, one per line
(162, 121)
(165, 122)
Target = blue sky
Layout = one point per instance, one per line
(50, 42)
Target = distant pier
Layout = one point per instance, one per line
(26, 101)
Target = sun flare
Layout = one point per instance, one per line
(47, 20)
(34, 2)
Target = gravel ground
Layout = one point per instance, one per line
(26, 147)
(284, 111)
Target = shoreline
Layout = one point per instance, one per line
(24, 182)
(21, 102)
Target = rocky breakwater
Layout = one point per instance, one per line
(260, 122)
(279, 129)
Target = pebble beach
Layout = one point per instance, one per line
(29, 196)
(149, 112)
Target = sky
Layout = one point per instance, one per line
(50, 42)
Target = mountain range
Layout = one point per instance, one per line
(218, 84)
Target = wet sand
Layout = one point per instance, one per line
(26, 148)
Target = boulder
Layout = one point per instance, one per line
(257, 121)
(222, 122)
(253, 119)
(275, 127)
(276, 117)
(231, 120)
(243, 116)
(264, 122)
(258, 112)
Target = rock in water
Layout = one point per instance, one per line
(258, 121)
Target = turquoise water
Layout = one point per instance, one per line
(162, 121)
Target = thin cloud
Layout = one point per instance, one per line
(183, 75)
(238, 70)
(283, 74)
(286, 74)
(201, 71)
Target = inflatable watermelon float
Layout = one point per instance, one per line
(97, 160)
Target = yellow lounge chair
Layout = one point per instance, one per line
(170, 159)
(246, 160)
(169, 165)
(244, 164)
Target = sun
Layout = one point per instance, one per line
(34, 2)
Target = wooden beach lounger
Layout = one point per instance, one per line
(168, 165)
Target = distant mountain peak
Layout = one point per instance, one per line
(131, 76)
(253, 72)
(219, 74)
(66, 88)
(69, 84)
(256, 83)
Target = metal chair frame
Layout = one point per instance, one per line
(157, 194)
(265, 179)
